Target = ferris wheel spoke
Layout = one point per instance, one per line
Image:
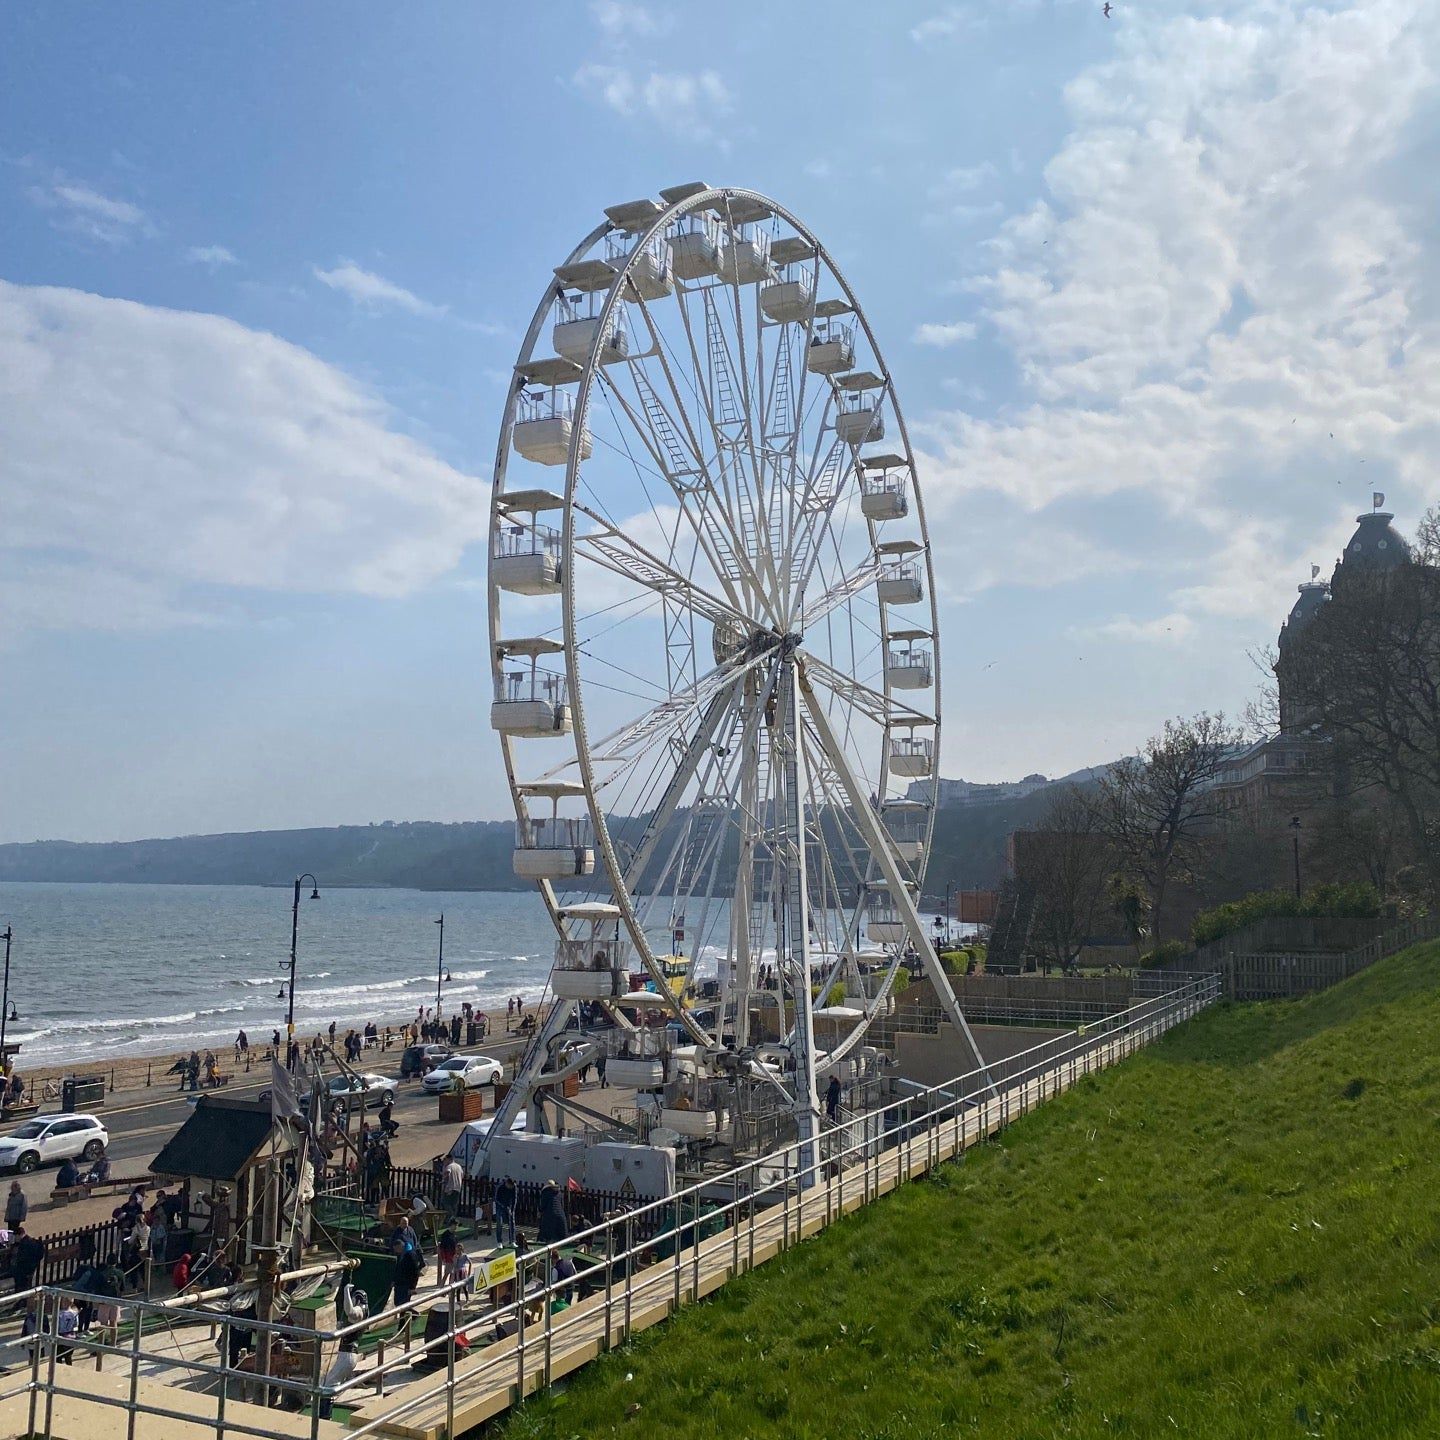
(615, 550)
(688, 478)
(849, 585)
(628, 738)
(875, 704)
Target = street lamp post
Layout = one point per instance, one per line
(5, 997)
(294, 938)
(440, 966)
(1295, 842)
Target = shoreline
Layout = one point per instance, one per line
(146, 1069)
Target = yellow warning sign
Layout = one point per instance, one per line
(500, 1269)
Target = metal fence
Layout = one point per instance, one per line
(652, 1258)
(1264, 975)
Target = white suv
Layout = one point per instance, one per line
(52, 1139)
(469, 1070)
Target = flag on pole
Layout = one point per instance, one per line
(284, 1104)
(1377, 498)
(1314, 571)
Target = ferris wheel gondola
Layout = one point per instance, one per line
(714, 633)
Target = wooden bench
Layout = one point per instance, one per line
(64, 1194)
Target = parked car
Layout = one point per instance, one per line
(469, 1070)
(420, 1060)
(357, 1090)
(52, 1139)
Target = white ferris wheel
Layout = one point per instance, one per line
(715, 646)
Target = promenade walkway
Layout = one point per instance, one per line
(507, 1371)
(655, 1259)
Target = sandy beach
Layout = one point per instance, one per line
(146, 1070)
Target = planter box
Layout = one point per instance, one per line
(458, 1108)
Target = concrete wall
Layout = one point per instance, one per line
(934, 1059)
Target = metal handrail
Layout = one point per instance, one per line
(769, 1188)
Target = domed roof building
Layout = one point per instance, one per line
(1374, 550)
(1376, 544)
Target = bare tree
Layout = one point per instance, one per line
(1154, 807)
(1427, 537)
(1069, 861)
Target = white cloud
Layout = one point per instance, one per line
(374, 292)
(941, 334)
(83, 210)
(691, 103)
(1226, 269)
(152, 455)
(619, 22)
(953, 20)
(212, 255)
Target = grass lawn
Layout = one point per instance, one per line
(1233, 1234)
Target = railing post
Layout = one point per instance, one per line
(734, 1223)
(609, 1281)
(679, 1231)
(547, 1319)
(629, 1266)
(449, 1368)
(520, 1330)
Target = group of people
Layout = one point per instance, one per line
(190, 1067)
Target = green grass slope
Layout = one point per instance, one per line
(1233, 1234)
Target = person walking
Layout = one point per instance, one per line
(832, 1099)
(67, 1326)
(463, 1270)
(600, 1070)
(452, 1181)
(242, 1047)
(17, 1207)
(554, 1227)
(26, 1256)
(445, 1252)
(408, 1266)
(504, 1201)
(159, 1235)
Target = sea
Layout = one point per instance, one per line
(106, 972)
(102, 972)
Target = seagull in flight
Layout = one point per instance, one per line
(1106, 11)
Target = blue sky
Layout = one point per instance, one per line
(1158, 295)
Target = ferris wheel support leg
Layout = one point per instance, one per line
(797, 916)
(523, 1087)
(869, 825)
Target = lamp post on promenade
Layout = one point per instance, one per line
(294, 940)
(5, 1015)
(440, 966)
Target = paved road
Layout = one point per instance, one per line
(141, 1121)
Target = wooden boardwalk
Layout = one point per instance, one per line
(508, 1370)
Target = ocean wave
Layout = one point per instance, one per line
(106, 1027)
